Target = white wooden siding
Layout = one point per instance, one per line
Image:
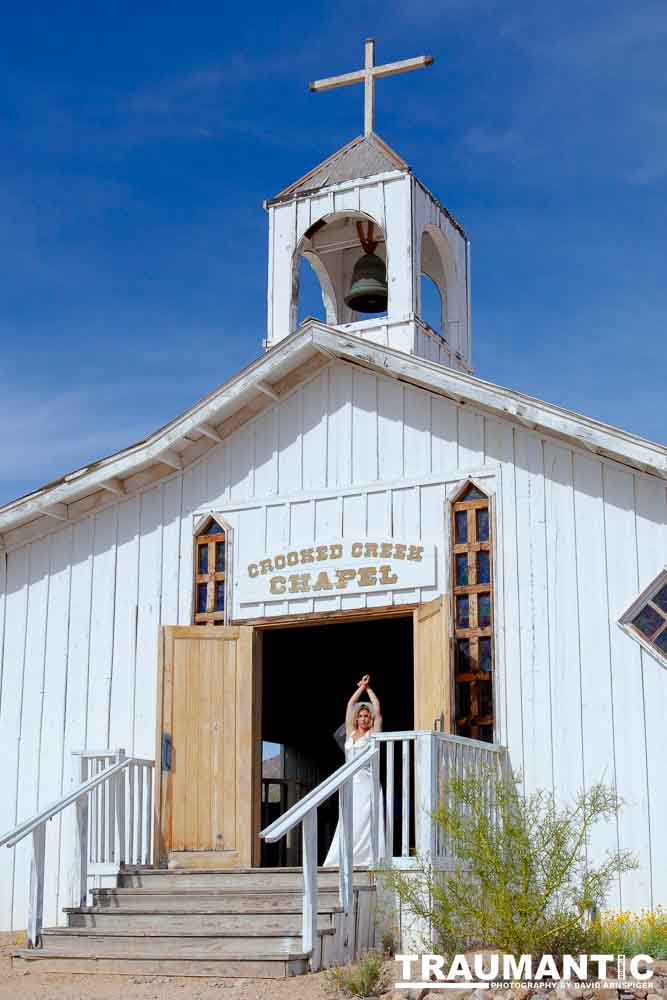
(351, 453)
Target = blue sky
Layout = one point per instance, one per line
(138, 142)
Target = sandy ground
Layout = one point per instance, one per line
(33, 985)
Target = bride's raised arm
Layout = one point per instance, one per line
(349, 711)
(377, 715)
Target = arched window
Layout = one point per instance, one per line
(211, 557)
(310, 300)
(431, 303)
(472, 588)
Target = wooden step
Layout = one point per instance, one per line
(240, 879)
(209, 900)
(146, 964)
(82, 942)
(186, 920)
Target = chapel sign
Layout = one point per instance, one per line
(353, 566)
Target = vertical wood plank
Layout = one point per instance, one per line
(533, 604)
(471, 438)
(53, 725)
(594, 629)
(315, 444)
(339, 471)
(444, 436)
(149, 614)
(378, 519)
(102, 626)
(627, 681)
(390, 429)
(290, 419)
(266, 453)
(564, 639)
(651, 529)
(364, 427)
(416, 433)
(75, 709)
(31, 714)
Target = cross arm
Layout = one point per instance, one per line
(329, 82)
(402, 66)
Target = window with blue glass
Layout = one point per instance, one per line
(472, 585)
(209, 582)
(647, 617)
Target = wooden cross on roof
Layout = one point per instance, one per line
(368, 75)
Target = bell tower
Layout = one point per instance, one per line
(375, 237)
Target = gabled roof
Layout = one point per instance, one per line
(365, 156)
(274, 375)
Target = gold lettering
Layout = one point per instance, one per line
(367, 576)
(343, 576)
(277, 584)
(357, 549)
(266, 566)
(292, 558)
(280, 562)
(415, 552)
(386, 575)
(323, 582)
(253, 569)
(371, 550)
(335, 551)
(307, 555)
(322, 552)
(386, 550)
(299, 583)
(399, 551)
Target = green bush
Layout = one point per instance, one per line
(364, 978)
(521, 881)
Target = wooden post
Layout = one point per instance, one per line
(346, 870)
(36, 905)
(389, 812)
(375, 804)
(82, 827)
(309, 933)
(405, 810)
(120, 857)
(425, 794)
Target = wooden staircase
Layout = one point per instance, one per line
(235, 923)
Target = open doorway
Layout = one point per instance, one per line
(308, 676)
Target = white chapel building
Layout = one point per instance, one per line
(353, 501)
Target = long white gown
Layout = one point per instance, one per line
(361, 812)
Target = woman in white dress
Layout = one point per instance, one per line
(361, 718)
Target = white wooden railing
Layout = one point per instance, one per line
(113, 819)
(427, 761)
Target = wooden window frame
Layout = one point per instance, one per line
(210, 578)
(473, 633)
(627, 618)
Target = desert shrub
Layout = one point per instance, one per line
(521, 880)
(620, 932)
(364, 978)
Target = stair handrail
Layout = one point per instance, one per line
(305, 812)
(37, 826)
(22, 830)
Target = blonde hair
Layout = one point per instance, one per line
(364, 708)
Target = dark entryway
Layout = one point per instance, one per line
(309, 674)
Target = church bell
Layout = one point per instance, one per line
(368, 291)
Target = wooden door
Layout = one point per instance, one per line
(208, 755)
(433, 685)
